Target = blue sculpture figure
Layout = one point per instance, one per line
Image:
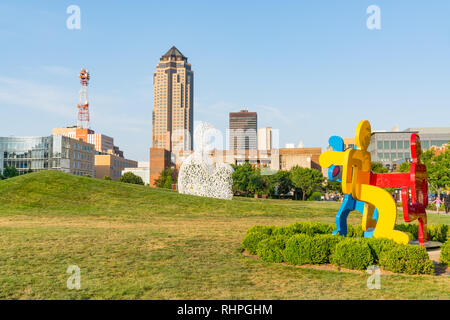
(349, 204)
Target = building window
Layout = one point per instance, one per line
(393, 145)
(399, 144)
(386, 145)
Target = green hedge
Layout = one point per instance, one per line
(271, 249)
(254, 236)
(312, 243)
(353, 254)
(437, 232)
(379, 247)
(409, 259)
(305, 249)
(310, 228)
(445, 253)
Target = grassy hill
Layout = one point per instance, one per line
(135, 242)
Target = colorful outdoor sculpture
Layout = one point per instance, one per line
(349, 204)
(356, 178)
(414, 186)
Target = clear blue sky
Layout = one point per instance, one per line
(309, 68)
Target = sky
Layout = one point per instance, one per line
(310, 69)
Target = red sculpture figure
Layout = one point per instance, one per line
(414, 188)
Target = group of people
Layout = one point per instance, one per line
(444, 201)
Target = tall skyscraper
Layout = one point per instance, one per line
(173, 103)
(243, 130)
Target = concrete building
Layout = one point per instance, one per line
(173, 103)
(142, 170)
(265, 138)
(243, 130)
(102, 143)
(432, 136)
(349, 143)
(160, 159)
(111, 165)
(55, 152)
(109, 159)
(393, 147)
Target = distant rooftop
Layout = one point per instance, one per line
(173, 54)
(430, 130)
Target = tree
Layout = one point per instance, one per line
(404, 167)
(256, 184)
(308, 180)
(333, 186)
(241, 177)
(170, 174)
(377, 167)
(10, 172)
(438, 169)
(281, 181)
(168, 183)
(107, 178)
(130, 177)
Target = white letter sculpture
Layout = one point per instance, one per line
(198, 176)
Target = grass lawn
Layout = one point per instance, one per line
(135, 242)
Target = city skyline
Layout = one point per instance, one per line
(307, 77)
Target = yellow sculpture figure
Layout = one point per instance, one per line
(356, 181)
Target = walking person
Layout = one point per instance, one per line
(438, 203)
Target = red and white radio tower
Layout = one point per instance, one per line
(83, 106)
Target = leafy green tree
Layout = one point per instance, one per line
(170, 174)
(333, 186)
(10, 172)
(241, 177)
(256, 184)
(130, 177)
(282, 181)
(404, 167)
(438, 169)
(377, 167)
(308, 180)
(168, 183)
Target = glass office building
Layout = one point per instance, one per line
(47, 153)
(392, 148)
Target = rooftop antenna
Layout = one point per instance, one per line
(83, 106)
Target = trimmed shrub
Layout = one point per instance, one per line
(304, 249)
(271, 249)
(353, 254)
(379, 246)
(254, 236)
(309, 228)
(261, 229)
(438, 232)
(404, 258)
(355, 231)
(445, 253)
(411, 229)
(284, 231)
